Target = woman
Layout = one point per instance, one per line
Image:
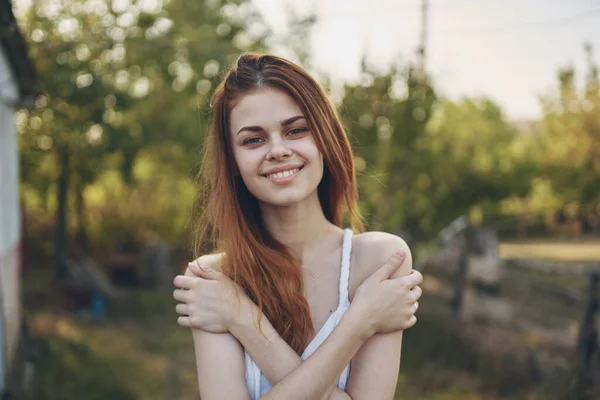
(290, 298)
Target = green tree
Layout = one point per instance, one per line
(570, 142)
(119, 78)
(424, 161)
(476, 159)
(386, 115)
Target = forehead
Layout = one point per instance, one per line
(263, 107)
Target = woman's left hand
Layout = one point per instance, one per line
(210, 301)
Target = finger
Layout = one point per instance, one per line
(200, 265)
(416, 306)
(184, 282)
(195, 267)
(416, 292)
(411, 322)
(184, 321)
(180, 295)
(413, 279)
(389, 267)
(182, 309)
(204, 271)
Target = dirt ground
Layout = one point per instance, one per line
(574, 250)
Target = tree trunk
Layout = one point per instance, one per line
(60, 248)
(82, 238)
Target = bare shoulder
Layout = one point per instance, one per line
(209, 260)
(370, 250)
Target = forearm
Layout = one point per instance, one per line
(326, 364)
(271, 353)
(289, 375)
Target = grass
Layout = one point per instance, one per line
(123, 358)
(441, 361)
(139, 352)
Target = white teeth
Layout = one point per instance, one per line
(283, 174)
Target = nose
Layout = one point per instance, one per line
(278, 150)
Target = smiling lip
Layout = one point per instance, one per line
(281, 169)
(283, 175)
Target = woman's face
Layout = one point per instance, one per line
(274, 149)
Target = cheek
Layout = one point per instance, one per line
(308, 148)
(245, 171)
(315, 155)
(247, 163)
(316, 160)
(321, 167)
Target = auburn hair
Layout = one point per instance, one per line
(230, 218)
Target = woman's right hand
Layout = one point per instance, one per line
(389, 305)
(209, 300)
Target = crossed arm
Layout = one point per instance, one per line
(290, 377)
(375, 357)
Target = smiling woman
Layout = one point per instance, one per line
(279, 132)
(279, 177)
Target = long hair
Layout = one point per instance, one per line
(230, 219)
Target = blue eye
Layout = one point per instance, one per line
(252, 140)
(297, 131)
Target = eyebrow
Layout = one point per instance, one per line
(284, 122)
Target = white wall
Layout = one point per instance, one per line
(10, 223)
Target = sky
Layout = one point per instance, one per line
(509, 50)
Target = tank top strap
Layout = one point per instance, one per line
(345, 269)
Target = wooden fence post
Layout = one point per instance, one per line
(460, 276)
(587, 343)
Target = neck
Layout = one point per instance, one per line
(299, 226)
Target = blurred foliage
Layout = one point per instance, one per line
(386, 126)
(424, 160)
(569, 154)
(138, 352)
(81, 372)
(127, 88)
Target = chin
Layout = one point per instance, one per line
(283, 199)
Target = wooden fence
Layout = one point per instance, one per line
(587, 343)
(468, 259)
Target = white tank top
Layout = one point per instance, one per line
(256, 382)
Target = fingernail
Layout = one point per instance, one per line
(195, 265)
(400, 254)
(206, 269)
